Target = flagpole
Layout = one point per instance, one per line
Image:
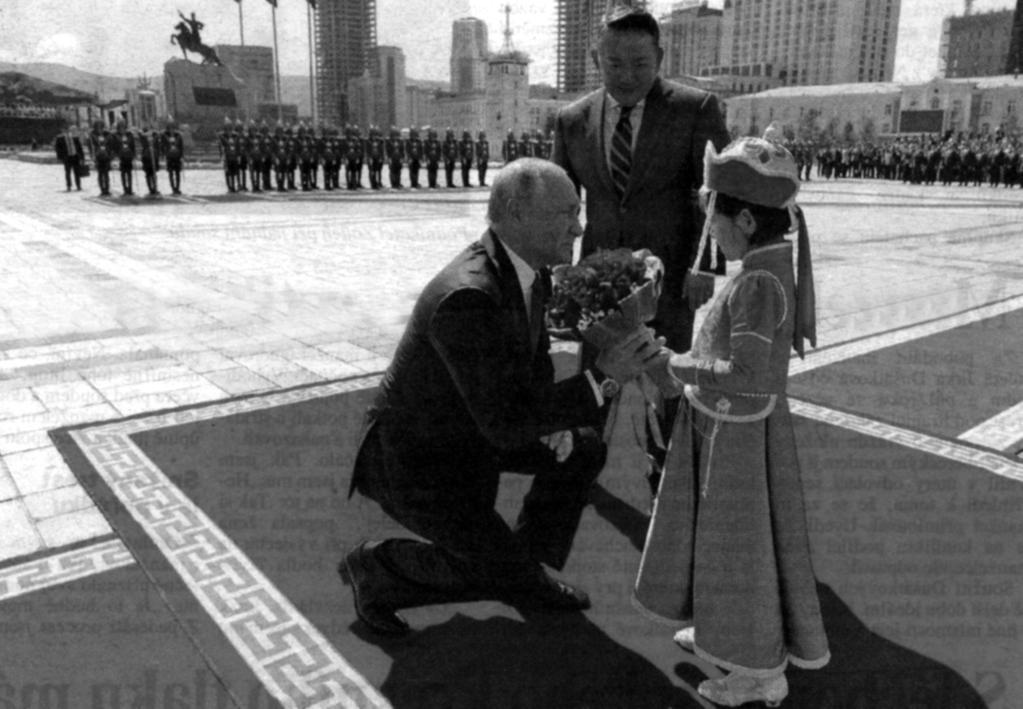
(277, 62)
(241, 23)
(312, 74)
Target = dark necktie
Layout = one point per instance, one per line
(621, 151)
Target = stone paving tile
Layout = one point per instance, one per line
(73, 527)
(20, 536)
(68, 395)
(20, 402)
(144, 404)
(156, 386)
(60, 501)
(118, 380)
(27, 441)
(8, 489)
(347, 351)
(203, 362)
(38, 471)
(327, 366)
(294, 377)
(239, 381)
(198, 395)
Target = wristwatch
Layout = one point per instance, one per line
(609, 387)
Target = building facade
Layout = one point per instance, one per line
(579, 23)
(1014, 61)
(813, 42)
(975, 45)
(873, 111)
(691, 38)
(469, 52)
(345, 49)
(380, 99)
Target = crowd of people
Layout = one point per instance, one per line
(953, 159)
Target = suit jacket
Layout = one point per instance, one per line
(63, 149)
(471, 379)
(659, 210)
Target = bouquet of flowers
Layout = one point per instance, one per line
(605, 297)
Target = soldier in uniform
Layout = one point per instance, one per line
(266, 153)
(360, 156)
(510, 147)
(465, 150)
(353, 150)
(414, 152)
(395, 152)
(172, 145)
(450, 153)
(306, 156)
(100, 144)
(149, 147)
(280, 157)
(229, 154)
(250, 154)
(375, 158)
(331, 158)
(541, 148)
(482, 157)
(124, 143)
(243, 156)
(433, 151)
(527, 149)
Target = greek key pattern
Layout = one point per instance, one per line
(63, 567)
(986, 460)
(1002, 432)
(815, 360)
(297, 665)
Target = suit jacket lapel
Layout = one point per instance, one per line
(595, 136)
(651, 133)
(511, 291)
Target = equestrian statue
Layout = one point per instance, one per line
(188, 39)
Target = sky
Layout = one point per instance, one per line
(132, 37)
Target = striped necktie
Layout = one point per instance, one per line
(621, 151)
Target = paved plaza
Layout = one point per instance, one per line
(119, 307)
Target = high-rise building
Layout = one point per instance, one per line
(1014, 62)
(469, 51)
(691, 38)
(976, 44)
(346, 37)
(813, 41)
(579, 23)
(380, 100)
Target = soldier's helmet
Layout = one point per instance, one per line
(413, 132)
(239, 125)
(121, 125)
(263, 127)
(537, 134)
(511, 134)
(466, 135)
(395, 132)
(525, 135)
(252, 125)
(449, 133)
(98, 126)
(279, 128)
(171, 124)
(431, 134)
(356, 131)
(482, 135)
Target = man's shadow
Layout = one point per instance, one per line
(545, 660)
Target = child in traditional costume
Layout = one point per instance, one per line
(727, 552)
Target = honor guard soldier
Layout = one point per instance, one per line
(540, 146)
(306, 157)
(229, 154)
(353, 158)
(292, 148)
(100, 144)
(375, 157)
(510, 147)
(414, 151)
(360, 156)
(331, 159)
(149, 147)
(465, 151)
(266, 150)
(482, 157)
(124, 143)
(526, 145)
(450, 153)
(319, 144)
(395, 152)
(243, 156)
(280, 157)
(434, 152)
(250, 148)
(548, 145)
(172, 144)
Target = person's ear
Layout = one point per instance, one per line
(746, 222)
(660, 56)
(595, 54)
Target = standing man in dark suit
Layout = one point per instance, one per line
(636, 146)
(471, 393)
(69, 151)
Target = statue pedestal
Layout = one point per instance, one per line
(201, 95)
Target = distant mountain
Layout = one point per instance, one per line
(107, 87)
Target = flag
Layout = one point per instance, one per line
(312, 3)
(272, 2)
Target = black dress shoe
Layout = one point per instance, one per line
(356, 571)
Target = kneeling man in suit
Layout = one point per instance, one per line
(469, 394)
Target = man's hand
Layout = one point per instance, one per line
(561, 443)
(626, 360)
(697, 289)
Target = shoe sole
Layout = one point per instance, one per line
(345, 572)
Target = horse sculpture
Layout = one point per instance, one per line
(188, 39)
